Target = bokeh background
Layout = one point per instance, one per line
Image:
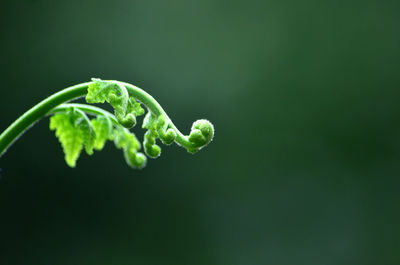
(304, 167)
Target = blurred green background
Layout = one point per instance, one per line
(304, 167)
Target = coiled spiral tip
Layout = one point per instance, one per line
(128, 121)
(201, 134)
(136, 159)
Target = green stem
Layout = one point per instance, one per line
(85, 108)
(39, 111)
(44, 107)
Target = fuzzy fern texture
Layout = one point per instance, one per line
(83, 126)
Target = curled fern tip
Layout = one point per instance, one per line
(201, 135)
(85, 127)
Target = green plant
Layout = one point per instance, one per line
(76, 131)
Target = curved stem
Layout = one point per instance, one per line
(37, 112)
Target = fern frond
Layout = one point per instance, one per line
(167, 135)
(149, 144)
(83, 124)
(103, 129)
(70, 137)
(72, 121)
(127, 141)
(126, 108)
(74, 131)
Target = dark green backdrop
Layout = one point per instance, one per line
(304, 167)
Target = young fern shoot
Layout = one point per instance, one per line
(83, 126)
